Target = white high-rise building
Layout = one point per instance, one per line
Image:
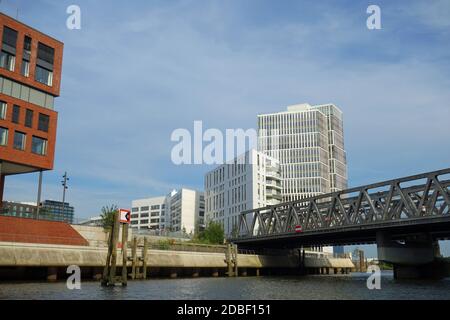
(308, 141)
(181, 210)
(249, 181)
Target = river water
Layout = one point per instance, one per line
(305, 288)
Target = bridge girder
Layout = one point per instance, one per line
(415, 200)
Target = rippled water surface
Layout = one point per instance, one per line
(254, 288)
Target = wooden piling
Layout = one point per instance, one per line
(228, 260)
(133, 258)
(124, 254)
(144, 259)
(115, 238)
(235, 259)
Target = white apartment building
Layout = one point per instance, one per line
(187, 211)
(308, 141)
(250, 181)
(181, 210)
(149, 213)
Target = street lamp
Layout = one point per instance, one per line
(65, 187)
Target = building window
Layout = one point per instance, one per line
(8, 51)
(44, 76)
(29, 118)
(3, 107)
(16, 114)
(19, 140)
(43, 122)
(39, 146)
(25, 70)
(44, 64)
(3, 136)
(26, 56)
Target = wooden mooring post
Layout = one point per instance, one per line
(124, 254)
(144, 259)
(133, 258)
(228, 260)
(235, 260)
(109, 272)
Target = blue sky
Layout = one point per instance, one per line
(137, 70)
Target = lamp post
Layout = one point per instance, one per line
(64, 184)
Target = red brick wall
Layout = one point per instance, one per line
(23, 230)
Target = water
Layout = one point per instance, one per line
(253, 288)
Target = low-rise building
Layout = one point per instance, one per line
(181, 210)
(49, 210)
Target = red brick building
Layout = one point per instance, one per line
(30, 77)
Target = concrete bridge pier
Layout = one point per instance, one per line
(411, 257)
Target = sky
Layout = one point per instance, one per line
(138, 70)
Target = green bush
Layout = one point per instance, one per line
(213, 234)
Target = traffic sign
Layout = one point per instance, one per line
(298, 229)
(125, 216)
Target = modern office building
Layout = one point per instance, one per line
(308, 141)
(30, 77)
(181, 210)
(250, 181)
(49, 210)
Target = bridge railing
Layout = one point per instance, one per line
(420, 196)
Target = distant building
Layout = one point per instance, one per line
(56, 211)
(249, 181)
(49, 210)
(19, 209)
(180, 211)
(149, 213)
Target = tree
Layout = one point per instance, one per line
(107, 216)
(212, 234)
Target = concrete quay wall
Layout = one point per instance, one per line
(42, 255)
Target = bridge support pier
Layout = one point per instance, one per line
(412, 257)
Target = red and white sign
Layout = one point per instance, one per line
(298, 229)
(125, 216)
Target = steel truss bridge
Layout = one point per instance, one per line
(405, 206)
